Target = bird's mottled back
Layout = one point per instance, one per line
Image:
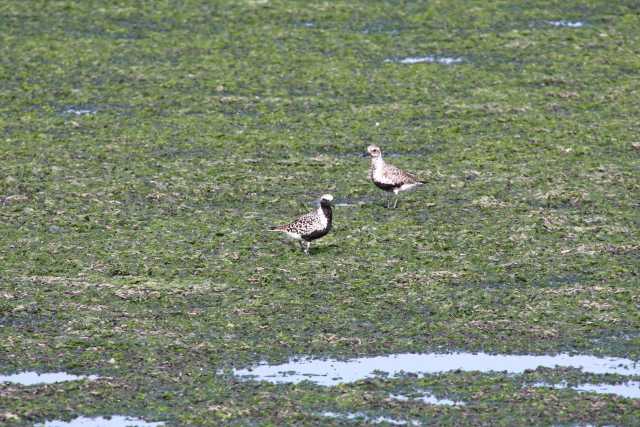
(311, 226)
(388, 177)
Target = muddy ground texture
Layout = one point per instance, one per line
(145, 149)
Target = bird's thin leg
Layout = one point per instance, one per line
(388, 200)
(307, 246)
(302, 246)
(395, 203)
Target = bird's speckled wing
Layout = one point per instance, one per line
(304, 225)
(392, 175)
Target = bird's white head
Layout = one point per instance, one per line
(374, 151)
(326, 198)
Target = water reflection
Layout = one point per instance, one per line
(330, 372)
(361, 416)
(79, 111)
(567, 24)
(31, 378)
(444, 60)
(629, 389)
(425, 397)
(114, 421)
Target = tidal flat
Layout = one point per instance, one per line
(146, 148)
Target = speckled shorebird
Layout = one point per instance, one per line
(388, 177)
(310, 226)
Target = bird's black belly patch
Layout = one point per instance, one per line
(315, 235)
(386, 187)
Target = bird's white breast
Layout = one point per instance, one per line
(377, 172)
(322, 218)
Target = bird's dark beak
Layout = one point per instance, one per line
(364, 155)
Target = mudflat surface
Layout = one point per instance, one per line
(146, 148)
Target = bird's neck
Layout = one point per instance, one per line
(377, 162)
(325, 210)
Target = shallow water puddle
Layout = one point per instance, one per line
(444, 60)
(630, 389)
(330, 372)
(566, 24)
(79, 111)
(114, 421)
(361, 416)
(425, 397)
(349, 203)
(346, 202)
(31, 378)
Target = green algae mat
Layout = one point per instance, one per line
(146, 148)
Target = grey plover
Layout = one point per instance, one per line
(310, 226)
(388, 177)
